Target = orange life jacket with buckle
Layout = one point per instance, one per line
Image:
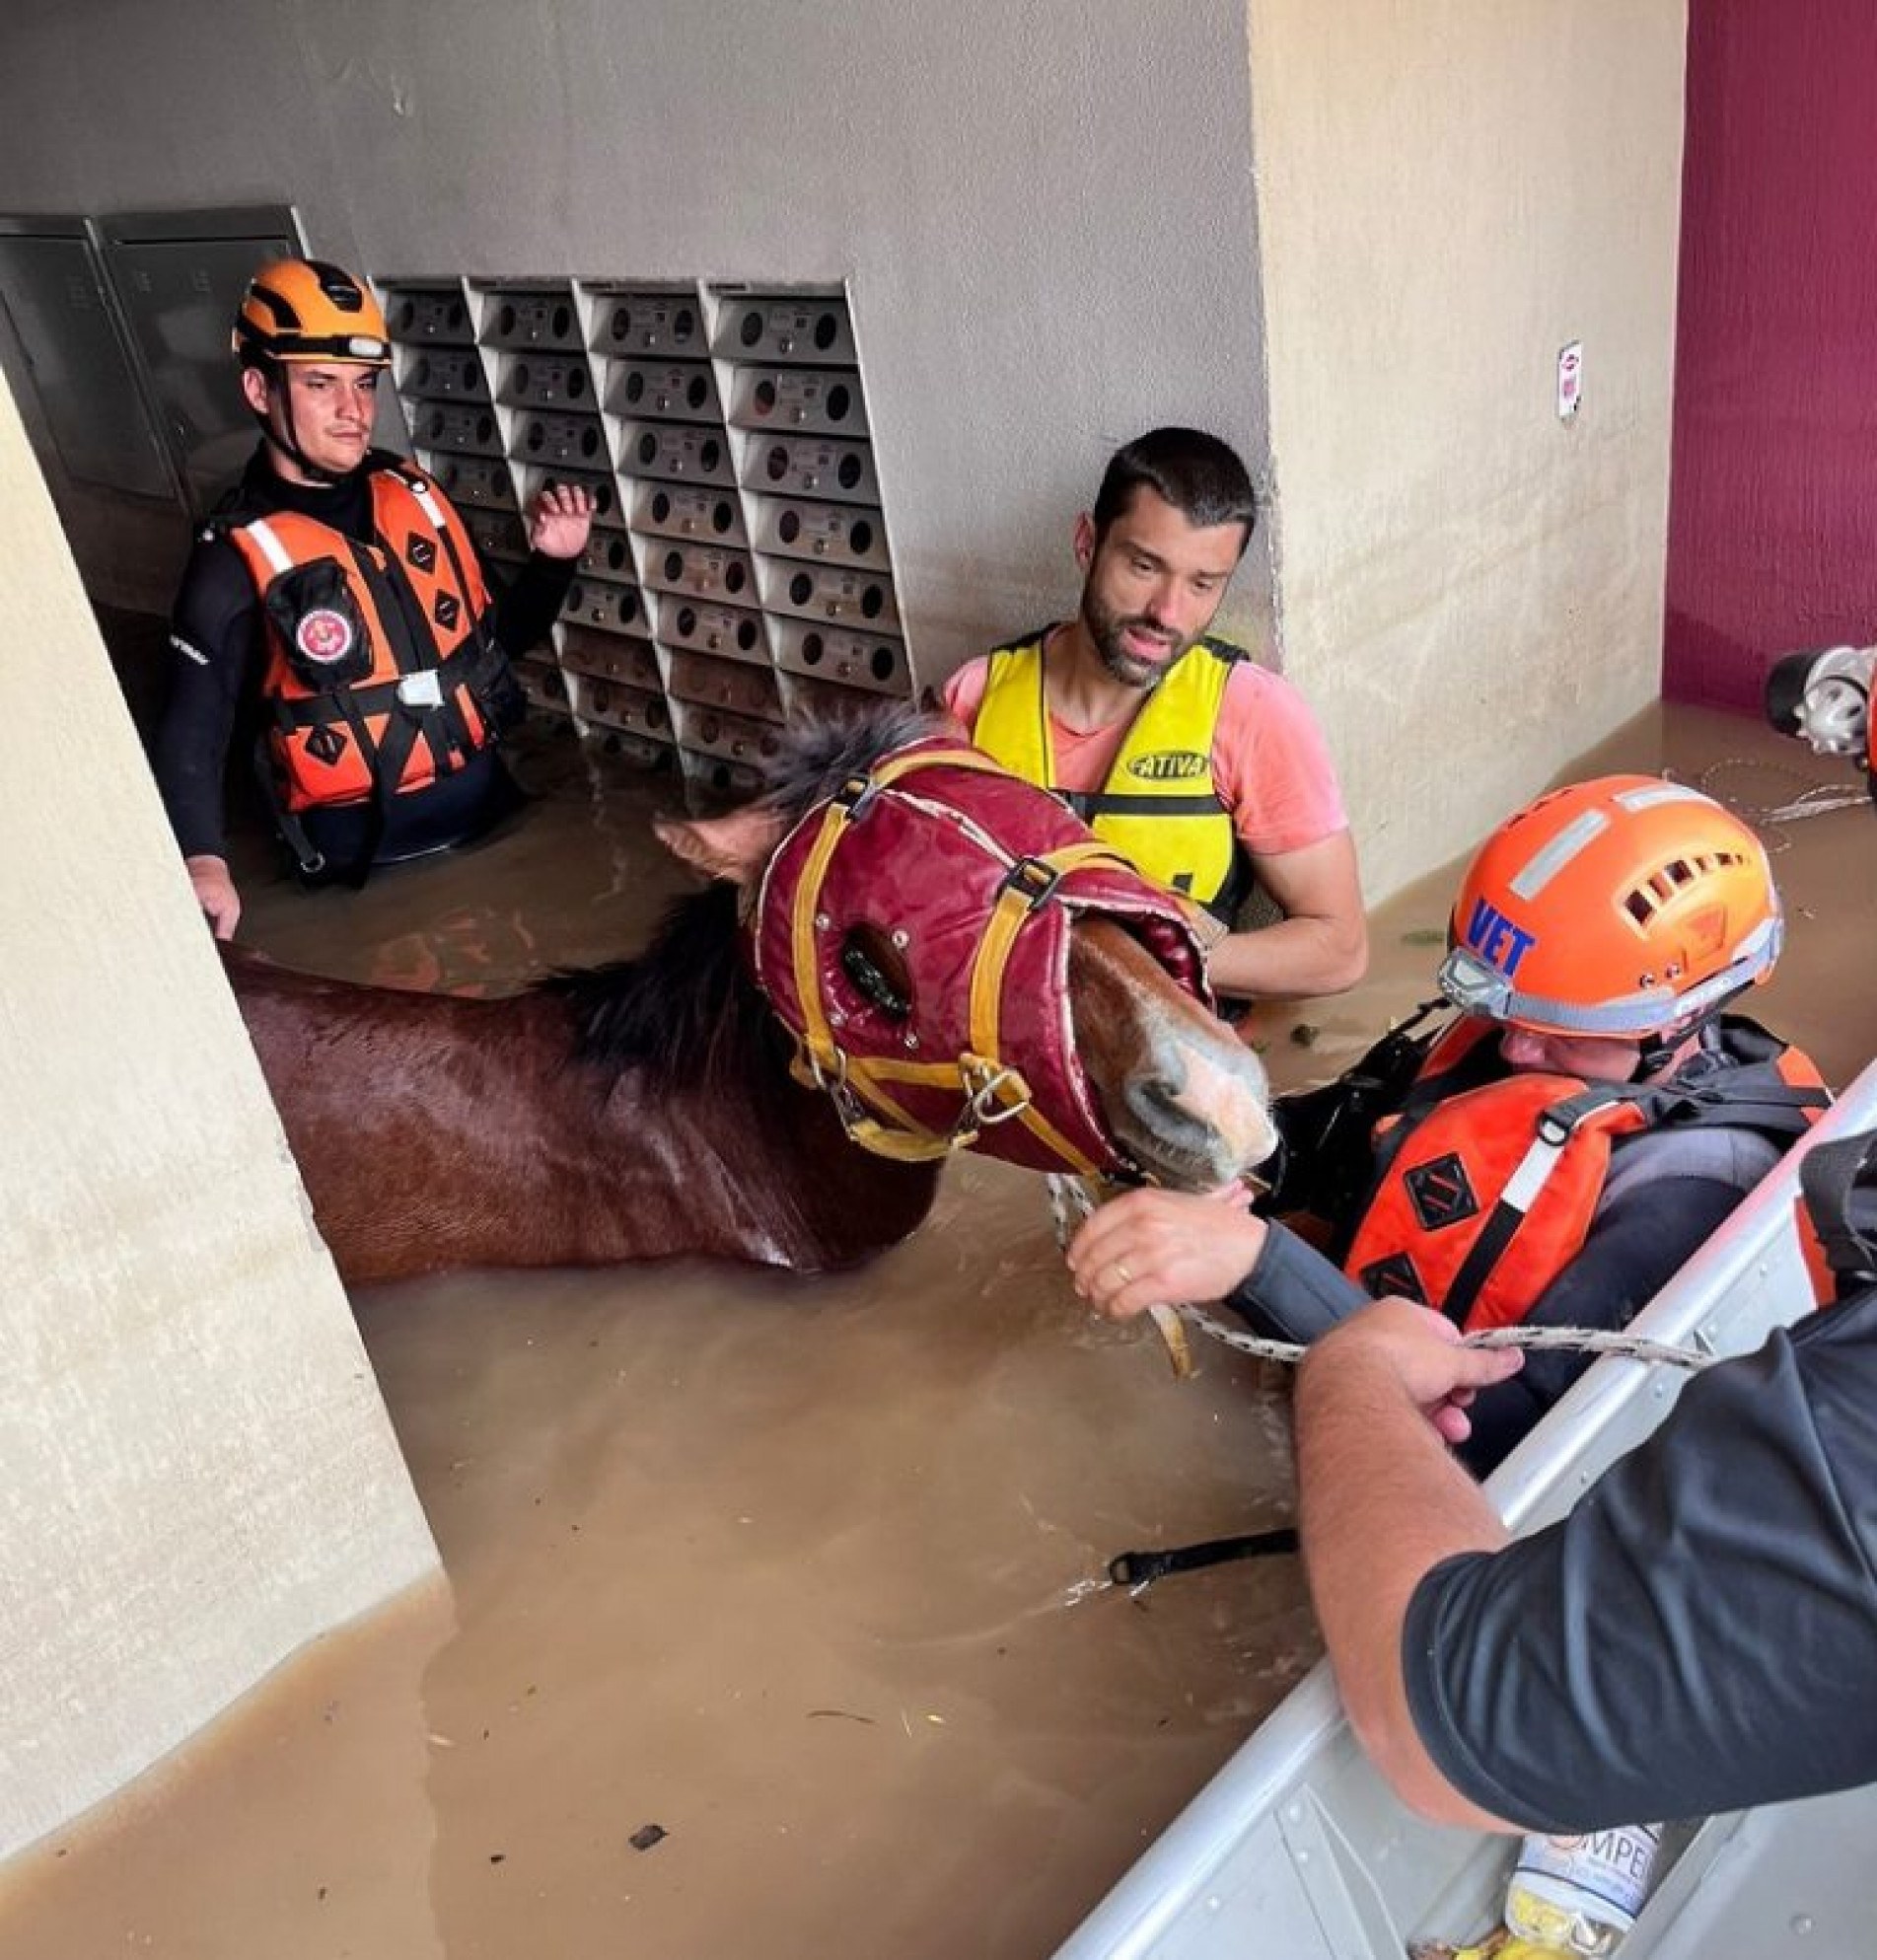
(1488, 1181)
(371, 650)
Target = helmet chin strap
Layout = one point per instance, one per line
(1654, 1052)
(1658, 1048)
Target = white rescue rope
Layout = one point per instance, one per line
(1815, 800)
(1071, 1201)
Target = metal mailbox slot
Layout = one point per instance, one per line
(649, 323)
(814, 465)
(839, 534)
(536, 381)
(858, 660)
(616, 609)
(733, 736)
(546, 318)
(441, 374)
(676, 451)
(839, 594)
(576, 439)
(681, 390)
(467, 428)
(724, 629)
(726, 684)
(703, 570)
(782, 327)
(473, 480)
(665, 510)
(437, 313)
(608, 555)
(809, 400)
(635, 709)
(611, 657)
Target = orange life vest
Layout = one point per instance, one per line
(371, 649)
(1486, 1189)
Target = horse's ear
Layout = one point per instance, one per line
(736, 846)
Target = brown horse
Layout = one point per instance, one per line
(648, 1108)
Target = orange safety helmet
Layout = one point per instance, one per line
(1622, 907)
(309, 310)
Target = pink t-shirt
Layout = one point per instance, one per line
(1271, 765)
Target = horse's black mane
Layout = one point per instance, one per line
(686, 1010)
(819, 757)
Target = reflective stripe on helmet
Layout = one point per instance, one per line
(1550, 859)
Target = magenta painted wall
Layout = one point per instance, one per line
(1772, 502)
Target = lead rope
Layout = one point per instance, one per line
(1073, 1200)
(1814, 799)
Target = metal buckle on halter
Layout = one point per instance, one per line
(854, 795)
(983, 1080)
(850, 1110)
(1033, 879)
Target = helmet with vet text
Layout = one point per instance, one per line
(309, 310)
(1621, 908)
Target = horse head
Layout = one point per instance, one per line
(962, 964)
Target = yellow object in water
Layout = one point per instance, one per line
(1498, 1944)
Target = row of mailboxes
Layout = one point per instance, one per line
(738, 568)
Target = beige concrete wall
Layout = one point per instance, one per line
(199, 1475)
(1468, 589)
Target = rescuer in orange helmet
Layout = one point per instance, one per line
(1561, 1145)
(339, 584)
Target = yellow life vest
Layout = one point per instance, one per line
(1158, 805)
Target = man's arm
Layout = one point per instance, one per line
(212, 633)
(1322, 943)
(1381, 1504)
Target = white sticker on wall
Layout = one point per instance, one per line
(1570, 378)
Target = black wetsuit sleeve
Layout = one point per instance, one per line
(1293, 1292)
(526, 606)
(1701, 1632)
(213, 636)
(1632, 1252)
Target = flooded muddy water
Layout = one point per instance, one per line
(774, 1621)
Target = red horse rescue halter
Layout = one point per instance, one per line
(910, 934)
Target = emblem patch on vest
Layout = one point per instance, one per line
(1169, 765)
(447, 609)
(422, 553)
(324, 636)
(1394, 1274)
(1440, 1194)
(326, 744)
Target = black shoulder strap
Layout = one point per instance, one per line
(1839, 1183)
(1032, 638)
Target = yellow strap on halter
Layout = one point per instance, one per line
(1012, 908)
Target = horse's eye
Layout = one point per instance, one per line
(878, 970)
